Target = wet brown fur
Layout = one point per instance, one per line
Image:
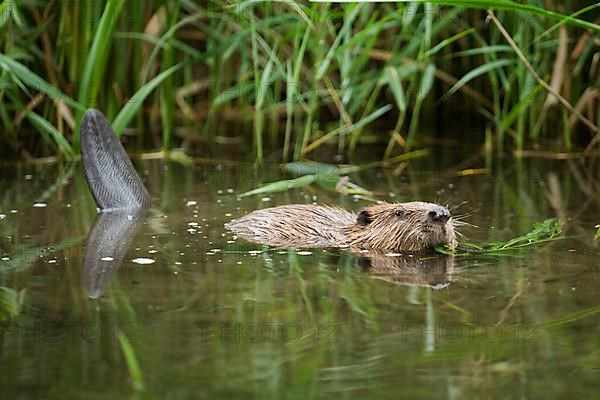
(387, 227)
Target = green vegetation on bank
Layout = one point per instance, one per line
(292, 76)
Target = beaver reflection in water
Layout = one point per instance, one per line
(414, 227)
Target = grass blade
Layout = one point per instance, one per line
(95, 64)
(347, 129)
(447, 42)
(482, 69)
(134, 104)
(543, 232)
(311, 168)
(426, 82)
(98, 54)
(393, 81)
(347, 26)
(11, 302)
(132, 362)
(62, 143)
(502, 5)
(282, 186)
(33, 80)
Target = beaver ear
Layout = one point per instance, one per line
(364, 218)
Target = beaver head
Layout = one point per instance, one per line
(413, 226)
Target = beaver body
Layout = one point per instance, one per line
(295, 225)
(414, 226)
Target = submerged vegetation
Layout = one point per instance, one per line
(290, 76)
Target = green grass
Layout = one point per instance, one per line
(132, 362)
(295, 76)
(542, 232)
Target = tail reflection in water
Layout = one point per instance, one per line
(106, 245)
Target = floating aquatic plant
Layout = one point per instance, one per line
(542, 232)
(327, 176)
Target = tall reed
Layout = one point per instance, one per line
(314, 74)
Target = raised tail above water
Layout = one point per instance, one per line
(113, 181)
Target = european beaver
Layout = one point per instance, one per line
(413, 227)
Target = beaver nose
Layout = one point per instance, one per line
(439, 214)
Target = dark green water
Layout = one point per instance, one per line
(217, 317)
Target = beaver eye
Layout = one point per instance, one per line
(398, 213)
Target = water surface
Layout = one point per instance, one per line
(207, 315)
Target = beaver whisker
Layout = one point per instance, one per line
(459, 205)
(464, 223)
(462, 235)
(463, 216)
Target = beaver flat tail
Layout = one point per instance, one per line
(112, 179)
